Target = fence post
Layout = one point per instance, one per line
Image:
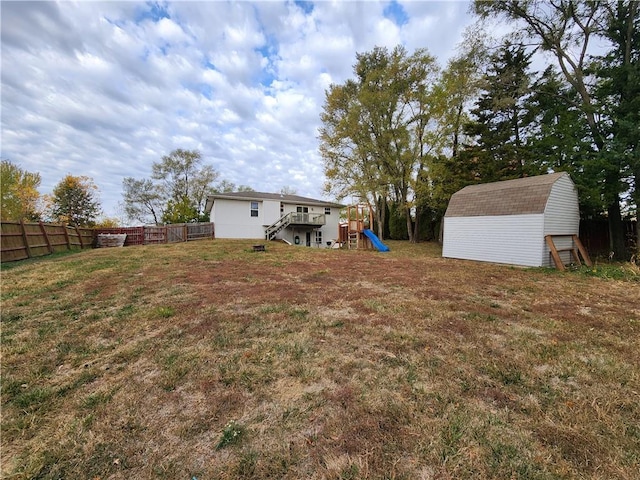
(80, 238)
(66, 235)
(185, 232)
(25, 239)
(46, 236)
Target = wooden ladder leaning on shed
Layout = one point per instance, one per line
(574, 249)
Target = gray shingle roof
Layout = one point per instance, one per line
(510, 197)
(272, 196)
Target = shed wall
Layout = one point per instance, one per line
(562, 213)
(561, 217)
(512, 239)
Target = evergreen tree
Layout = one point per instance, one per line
(564, 29)
(501, 121)
(618, 91)
(561, 139)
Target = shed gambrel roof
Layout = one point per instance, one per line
(521, 196)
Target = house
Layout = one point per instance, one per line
(255, 215)
(507, 222)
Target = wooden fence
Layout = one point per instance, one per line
(22, 240)
(184, 232)
(594, 235)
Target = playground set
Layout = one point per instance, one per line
(356, 232)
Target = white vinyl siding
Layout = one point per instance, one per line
(561, 217)
(506, 222)
(561, 214)
(512, 239)
(271, 211)
(233, 220)
(329, 231)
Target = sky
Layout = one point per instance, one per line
(105, 89)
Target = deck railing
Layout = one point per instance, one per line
(307, 218)
(294, 218)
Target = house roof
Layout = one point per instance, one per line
(521, 196)
(296, 199)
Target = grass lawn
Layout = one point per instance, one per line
(207, 360)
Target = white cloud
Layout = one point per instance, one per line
(106, 89)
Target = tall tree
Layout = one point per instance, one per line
(225, 186)
(142, 200)
(565, 28)
(350, 166)
(458, 88)
(460, 83)
(74, 201)
(561, 141)
(618, 91)
(20, 196)
(184, 182)
(374, 133)
(501, 119)
(177, 191)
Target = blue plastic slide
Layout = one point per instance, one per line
(375, 240)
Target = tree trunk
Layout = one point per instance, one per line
(637, 201)
(381, 216)
(616, 230)
(456, 131)
(614, 216)
(376, 216)
(409, 225)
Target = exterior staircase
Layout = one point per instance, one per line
(294, 218)
(273, 229)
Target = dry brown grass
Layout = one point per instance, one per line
(208, 360)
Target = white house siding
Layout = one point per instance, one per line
(329, 229)
(561, 217)
(511, 239)
(271, 211)
(233, 219)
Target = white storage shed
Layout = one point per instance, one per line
(506, 222)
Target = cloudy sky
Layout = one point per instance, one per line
(106, 89)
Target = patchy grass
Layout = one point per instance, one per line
(614, 271)
(208, 360)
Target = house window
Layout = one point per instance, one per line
(302, 209)
(327, 210)
(254, 209)
(318, 237)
